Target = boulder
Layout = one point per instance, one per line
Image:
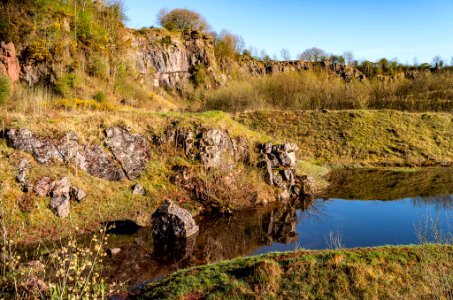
(138, 189)
(77, 194)
(60, 197)
(172, 222)
(43, 186)
(131, 150)
(113, 251)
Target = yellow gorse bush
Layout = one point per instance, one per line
(81, 104)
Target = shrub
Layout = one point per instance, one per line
(182, 19)
(66, 84)
(4, 89)
(99, 97)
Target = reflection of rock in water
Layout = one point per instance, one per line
(171, 251)
(280, 223)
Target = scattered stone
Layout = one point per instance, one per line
(138, 189)
(60, 197)
(22, 174)
(173, 222)
(43, 187)
(77, 194)
(113, 251)
(131, 150)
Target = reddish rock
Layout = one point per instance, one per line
(9, 60)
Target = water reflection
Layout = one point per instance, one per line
(386, 212)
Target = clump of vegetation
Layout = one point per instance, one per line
(182, 19)
(100, 97)
(5, 89)
(316, 90)
(89, 104)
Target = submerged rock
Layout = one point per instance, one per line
(172, 222)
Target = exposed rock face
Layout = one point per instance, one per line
(131, 150)
(172, 60)
(213, 147)
(9, 63)
(60, 197)
(172, 222)
(279, 163)
(100, 164)
(91, 158)
(41, 148)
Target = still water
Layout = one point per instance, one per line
(362, 208)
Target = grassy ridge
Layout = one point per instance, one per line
(407, 272)
(369, 137)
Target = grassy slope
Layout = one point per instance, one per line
(371, 137)
(106, 200)
(408, 272)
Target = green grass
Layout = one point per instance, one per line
(405, 272)
(361, 137)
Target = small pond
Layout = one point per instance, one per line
(362, 208)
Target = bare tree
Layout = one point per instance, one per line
(313, 54)
(438, 62)
(285, 54)
(348, 57)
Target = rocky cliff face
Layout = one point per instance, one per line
(170, 60)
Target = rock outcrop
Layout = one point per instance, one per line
(131, 150)
(172, 222)
(213, 147)
(279, 162)
(9, 64)
(90, 158)
(171, 61)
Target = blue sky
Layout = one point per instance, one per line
(371, 29)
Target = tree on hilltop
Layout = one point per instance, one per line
(182, 19)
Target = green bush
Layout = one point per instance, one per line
(99, 97)
(5, 89)
(66, 84)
